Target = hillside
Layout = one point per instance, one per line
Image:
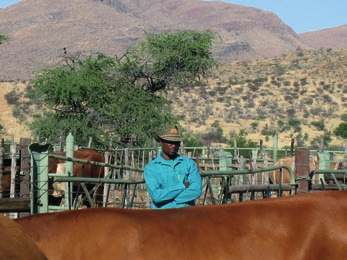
(293, 94)
(39, 30)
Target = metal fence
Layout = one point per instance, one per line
(227, 176)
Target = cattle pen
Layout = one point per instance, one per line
(227, 177)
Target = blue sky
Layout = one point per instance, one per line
(303, 15)
(300, 15)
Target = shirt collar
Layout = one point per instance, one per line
(161, 160)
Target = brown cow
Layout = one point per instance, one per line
(15, 243)
(288, 161)
(309, 226)
(6, 184)
(313, 165)
(83, 170)
(6, 178)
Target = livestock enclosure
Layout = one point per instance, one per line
(227, 177)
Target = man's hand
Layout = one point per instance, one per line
(186, 184)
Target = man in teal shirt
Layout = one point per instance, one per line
(172, 180)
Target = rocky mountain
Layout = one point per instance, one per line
(39, 30)
(334, 38)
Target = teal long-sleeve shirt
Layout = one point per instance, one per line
(165, 182)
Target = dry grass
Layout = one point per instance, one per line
(259, 96)
(247, 96)
(11, 98)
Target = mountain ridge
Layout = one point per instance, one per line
(38, 30)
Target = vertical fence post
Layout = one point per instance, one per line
(13, 150)
(126, 177)
(302, 157)
(25, 170)
(344, 164)
(106, 185)
(243, 195)
(70, 142)
(39, 178)
(275, 148)
(236, 152)
(148, 199)
(2, 150)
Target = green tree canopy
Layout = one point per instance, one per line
(118, 98)
(3, 38)
(166, 59)
(242, 142)
(341, 130)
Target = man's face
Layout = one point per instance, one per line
(169, 149)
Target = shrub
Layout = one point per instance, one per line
(296, 84)
(235, 82)
(261, 117)
(16, 112)
(291, 112)
(280, 123)
(268, 132)
(215, 124)
(294, 122)
(344, 117)
(303, 81)
(254, 125)
(341, 130)
(286, 83)
(327, 98)
(308, 101)
(214, 135)
(242, 142)
(319, 125)
(191, 140)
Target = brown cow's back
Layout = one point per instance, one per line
(310, 226)
(15, 243)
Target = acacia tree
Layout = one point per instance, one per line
(167, 59)
(120, 98)
(3, 38)
(84, 98)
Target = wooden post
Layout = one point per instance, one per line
(114, 176)
(243, 195)
(13, 174)
(90, 142)
(302, 169)
(236, 151)
(106, 185)
(25, 169)
(9, 205)
(155, 149)
(1, 164)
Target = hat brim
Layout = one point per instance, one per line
(172, 139)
